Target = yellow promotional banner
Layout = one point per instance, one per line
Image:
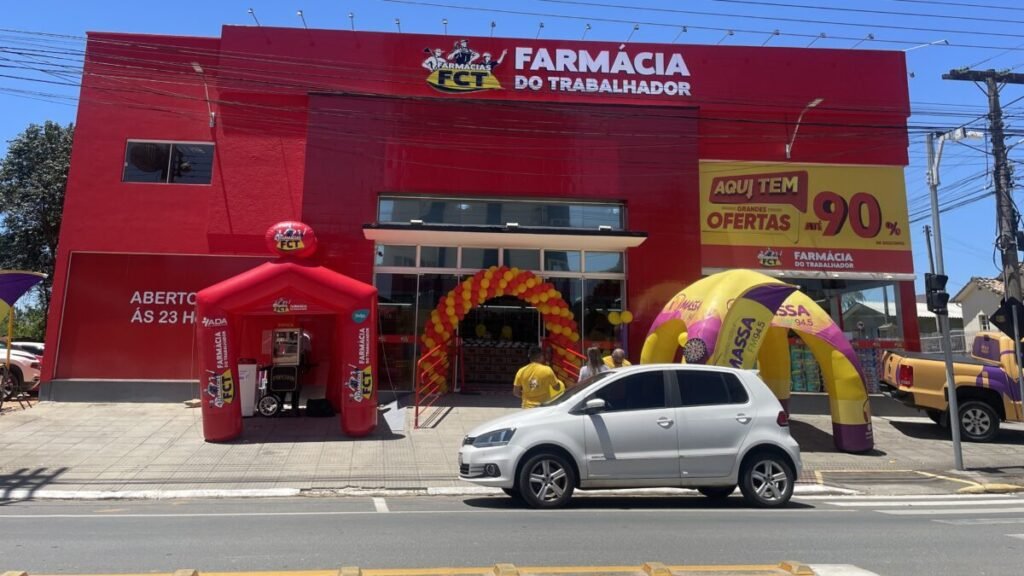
(804, 217)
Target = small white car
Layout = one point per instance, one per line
(24, 373)
(652, 425)
(36, 348)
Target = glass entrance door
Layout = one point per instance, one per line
(496, 338)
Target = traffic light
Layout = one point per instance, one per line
(935, 289)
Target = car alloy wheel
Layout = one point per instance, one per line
(767, 482)
(547, 481)
(978, 421)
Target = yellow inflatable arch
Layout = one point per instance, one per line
(742, 318)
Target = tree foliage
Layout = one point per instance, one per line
(33, 178)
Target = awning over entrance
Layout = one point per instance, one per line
(503, 236)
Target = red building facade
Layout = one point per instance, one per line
(699, 158)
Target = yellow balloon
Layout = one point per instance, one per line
(626, 317)
(508, 275)
(556, 329)
(544, 309)
(485, 283)
(683, 338)
(450, 300)
(614, 318)
(544, 297)
(429, 343)
(575, 337)
(450, 310)
(530, 283)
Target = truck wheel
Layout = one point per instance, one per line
(979, 422)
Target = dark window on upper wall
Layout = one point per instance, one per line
(168, 163)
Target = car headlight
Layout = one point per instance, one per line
(495, 438)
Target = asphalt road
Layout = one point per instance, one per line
(895, 536)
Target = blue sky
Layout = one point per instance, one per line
(979, 32)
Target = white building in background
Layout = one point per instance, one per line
(978, 299)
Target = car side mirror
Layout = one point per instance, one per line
(594, 405)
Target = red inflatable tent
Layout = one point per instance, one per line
(345, 310)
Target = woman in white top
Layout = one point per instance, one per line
(593, 366)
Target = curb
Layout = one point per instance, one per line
(991, 489)
(26, 494)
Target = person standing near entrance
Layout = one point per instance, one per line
(617, 359)
(593, 366)
(536, 382)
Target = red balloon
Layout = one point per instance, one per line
(291, 238)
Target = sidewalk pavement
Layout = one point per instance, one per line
(99, 448)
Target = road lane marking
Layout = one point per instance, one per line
(690, 511)
(1021, 536)
(964, 511)
(981, 521)
(912, 503)
(947, 478)
(380, 505)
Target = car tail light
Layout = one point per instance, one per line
(905, 376)
(35, 365)
(783, 418)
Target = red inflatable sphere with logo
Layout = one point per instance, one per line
(291, 238)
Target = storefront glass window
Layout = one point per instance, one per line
(602, 297)
(396, 294)
(572, 292)
(433, 287)
(522, 259)
(498, 212)
(396, 310)
(562, 261)
(436, 257)
(403, 256)
(603, 262)
(473, 258)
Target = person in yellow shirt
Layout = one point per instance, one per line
(617, 359)
(536, 382)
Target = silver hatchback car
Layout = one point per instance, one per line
(653, 425)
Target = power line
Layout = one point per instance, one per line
(872, 26)
(676, 26)
(869, 11)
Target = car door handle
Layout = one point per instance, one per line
(743, 419)
(665, 422)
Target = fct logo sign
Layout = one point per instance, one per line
(462, 69)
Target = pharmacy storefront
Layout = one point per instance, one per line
(612, 175)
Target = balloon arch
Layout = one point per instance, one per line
(743, 319)
(491, 283)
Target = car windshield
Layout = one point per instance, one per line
(575, 391)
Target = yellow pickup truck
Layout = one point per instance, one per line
(986, 385)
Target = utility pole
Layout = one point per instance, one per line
(935, 287)
(928, 243)
(1006, 214)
